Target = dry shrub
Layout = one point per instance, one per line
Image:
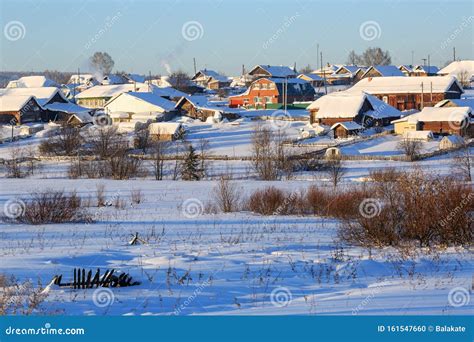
(67, 140)
(53, 206)
(269, 201)
(385, 175)
(19, 298)
(430, 211)
(136, 196)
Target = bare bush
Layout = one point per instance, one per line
(159, 149)
(335, 170)
(106, 142)
(462, 164)
(268, 201)
(67, 140)
(122, 166)
(19, 298)
(227, 195)
(265, 156)
(100, 195)
(53, 206)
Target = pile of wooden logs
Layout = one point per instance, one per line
(84, 280)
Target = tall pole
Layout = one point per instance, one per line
(428, 65)
(412, 58)
(194, 62)
(324, 73)
(317, 55)
(422, 96)
(454, 54)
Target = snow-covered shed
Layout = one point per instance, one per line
(166, 130)
(345, 129)
(451, 141)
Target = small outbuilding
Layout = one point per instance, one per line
(451, 141)
(346, 129)
(166, 131)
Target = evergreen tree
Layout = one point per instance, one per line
(190, 169)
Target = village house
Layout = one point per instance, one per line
(424, 70)
(199, 107)
(407, 69)
(99, 95)
(272, 71)
(406, 93)
(210, 79)
(272, 92)
(382, 71)
(346, 74)
(326, 71)
(441, 121)
(345, 106)
(18, 109)
(55, 107)
(136, 102)
(345, 129)
(315, 80)
(457, 103)
(451, 141)
(166, 131)
(463, 70)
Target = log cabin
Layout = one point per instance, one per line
(406, 93)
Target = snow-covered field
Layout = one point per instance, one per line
(195, 262)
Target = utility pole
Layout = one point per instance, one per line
(428, 65)
(317, 55)
(149, 81)
(194, 62)
(424, 61)
(412, 58)
(454, 54)
(324, 73)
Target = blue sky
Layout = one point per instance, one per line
(144, 36)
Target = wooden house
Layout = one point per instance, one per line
(32, 82)
(346, 129)
(166, 131)
(270, 93)
(406, 93)
(140, 102)
(18, 109)
(424, 70)
(315, 80)
(199, 107)
(272, 71)
(345, 106)
(406, 69)
(441, 121)
(210, 79)
(382, 71)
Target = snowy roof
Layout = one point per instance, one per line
(275, 71)
(113, 79)
(435, 114)
(82, 117)
(458, 103)
(166, 92)
(164, 127)
(134, 78)
(82, 79)
(313, 77)
(406, 67)
(386, 70)
(402, 84)
(457, 67)
(13, 103)
(349, 125)
(344, 104)
(66, 107)
(431, 69)
(210, 73)
(111, 90)
(454, 139)
(151, 98)
(327, 69)
(351, 69)
(32, 82)
(42, 94)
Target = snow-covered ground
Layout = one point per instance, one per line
(222, 263)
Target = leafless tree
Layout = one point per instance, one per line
(203, 151)
(463, 78)
(462, 163)
(106, 141)
(264, 161)
(158, 151)
(335, 170)
(102, 62)
(412, 148)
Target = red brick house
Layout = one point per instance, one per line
(270, 92)
(406, 93)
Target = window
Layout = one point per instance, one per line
(256, 86)
(256, 99)
(268, 99)
(264, 86)
(271, 86)
(385, 99)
